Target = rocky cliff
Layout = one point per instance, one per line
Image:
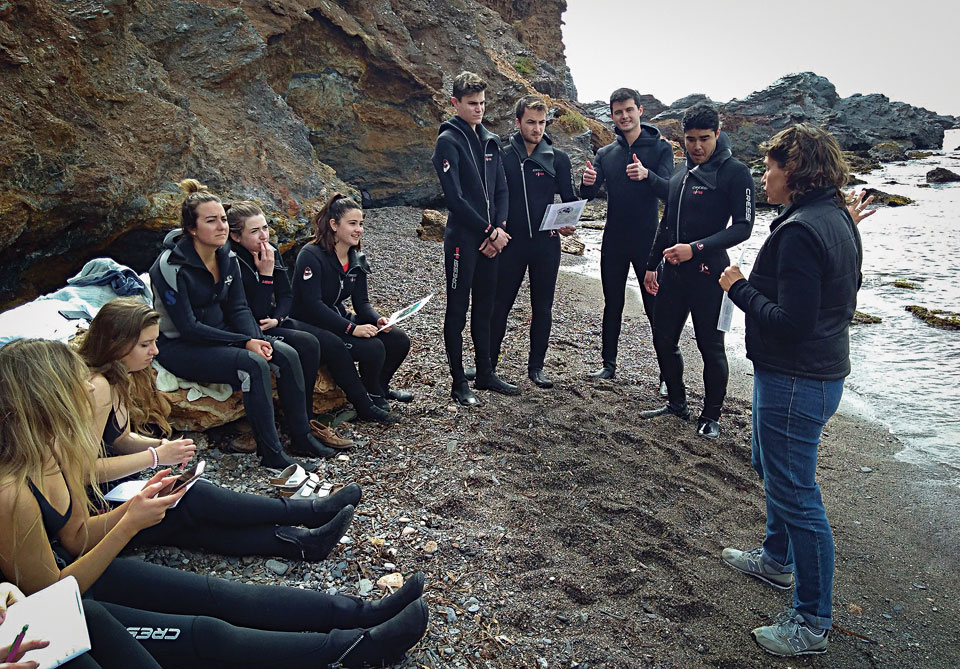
(105, 104)
(859, 122)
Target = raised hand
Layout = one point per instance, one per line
(857, 204)
(589, 175)
(264, 260)
(636, 170)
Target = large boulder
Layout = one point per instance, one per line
(433, 223)
(205, 412)
(941, 175)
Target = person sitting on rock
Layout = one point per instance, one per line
(269, 296)
(47, 533)
(332, 268)
(208, 334)
(119, 346)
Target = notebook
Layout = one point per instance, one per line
(55, 614)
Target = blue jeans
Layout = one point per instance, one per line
(789, 413)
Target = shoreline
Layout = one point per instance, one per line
(571, 534)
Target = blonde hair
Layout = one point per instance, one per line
(113, 333)
(45, 413)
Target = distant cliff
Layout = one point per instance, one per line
(104, 105)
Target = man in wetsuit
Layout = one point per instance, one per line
(692, 240)
(468, 163)
(636, 167)
(536, 171)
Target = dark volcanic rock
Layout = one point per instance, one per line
(887, 152)
(942, 175)
(859, 122)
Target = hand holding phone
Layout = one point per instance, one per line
(186, 477)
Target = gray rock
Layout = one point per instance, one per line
(365, 586)
(277, 567)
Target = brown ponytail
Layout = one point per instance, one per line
(197, 194)
(338, 205)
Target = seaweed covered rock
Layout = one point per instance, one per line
(938, 318)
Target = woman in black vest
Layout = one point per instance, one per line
(332, 268)
(799, 301)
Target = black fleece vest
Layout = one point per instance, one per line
(825, 353)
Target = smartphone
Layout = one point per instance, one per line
(74, 315)
(185, 478)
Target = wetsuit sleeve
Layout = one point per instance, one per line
(282, 293)
(564, 178)
(799, 271)
(501, 197)
(590, 192)
(446, 161)
(740, 204)
(361, 302)
(659, 242)
(236, 309)
(315, 310)
(659, 175)
(180, 310)
(259, 292)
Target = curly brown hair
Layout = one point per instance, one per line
(811, 156)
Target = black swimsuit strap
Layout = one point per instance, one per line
(53, 520)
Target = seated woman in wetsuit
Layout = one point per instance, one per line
(332, 268)
(119, 347)
(208, 334)
(47, 457)
(270, 297)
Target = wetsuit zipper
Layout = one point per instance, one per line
(526, 202)
(482, 175)
(683, 184)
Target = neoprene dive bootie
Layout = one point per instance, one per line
(276, 459)
(608, 371)
(316, 511)
(388, 642)
(679, 410)
(309, 446)
(316, 544)
(490, 381)
(539, 378)
(367, 613)
(463, 395)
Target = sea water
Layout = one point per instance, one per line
(905, 373)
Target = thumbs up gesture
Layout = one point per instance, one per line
(636, 170)
(589, 175)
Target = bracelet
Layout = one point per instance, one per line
(156, 458)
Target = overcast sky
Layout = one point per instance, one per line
(908, 51)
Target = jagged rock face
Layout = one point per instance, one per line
(859, 122)
(105, 105)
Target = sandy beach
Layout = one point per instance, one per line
(570, 534)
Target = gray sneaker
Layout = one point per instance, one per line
(790, 635)
(749, 563)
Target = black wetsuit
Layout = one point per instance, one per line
(702, 199)
(271, 297)
(468, 164)
(223, 521)
(193, 621)
(204, 327)
(632, 211)
(320, 286)
(532, 181)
